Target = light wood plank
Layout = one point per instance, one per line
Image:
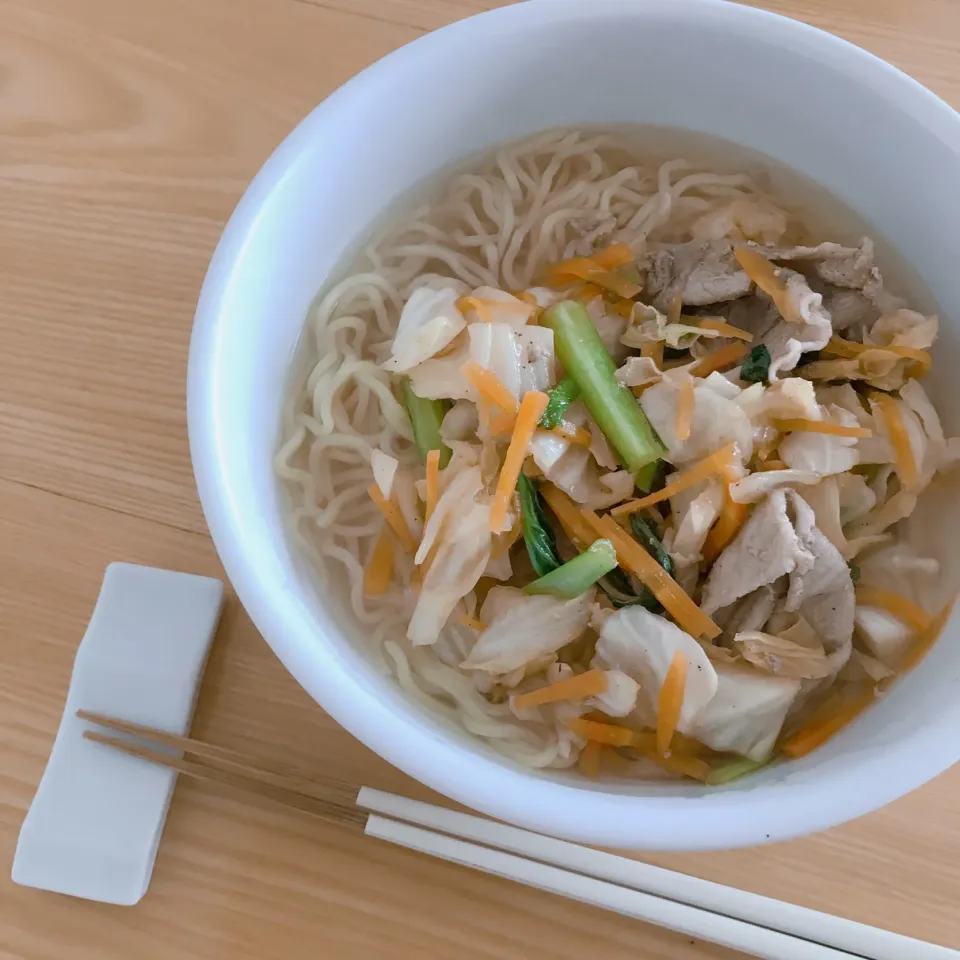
(127, 134)
(233, 879)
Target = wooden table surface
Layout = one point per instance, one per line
(128, 130)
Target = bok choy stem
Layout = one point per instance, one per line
(576, 576)
(615, 409)
(425, 418)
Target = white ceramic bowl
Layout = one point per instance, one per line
(865, 131)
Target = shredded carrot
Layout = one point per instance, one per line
(608, 733)
(732, 516)
(654, 350)
(723, 357)
(569, 431)
(801, 424)
(685, 405)
(767, 277)
(502, 423)
(700, 471)
(670, 702)
(820, 730)
(588, 292)
(481, 307)
(927, 637)
(722, 327)
(850, 349)
(393, 516)
(683, 757)
(531, 410)
(903, 609)
(634, 558)
(377, 576)
(472, 622)
(675, 309)
(617, 255)
(623, 309)
(489, 386)
(433, 481)
(772, 465)
(691, 767)
(588, 762)
(580, 687)
(588, 270)
(899, 438)
(568, 513)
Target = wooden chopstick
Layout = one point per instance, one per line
(334, 804)
(759, 926)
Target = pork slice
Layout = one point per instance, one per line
(701, 271)
(766, 549)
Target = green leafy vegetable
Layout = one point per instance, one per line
(425, 417)
(621, 592)
(575, 576)
(615, 409)
(729, 770)
(537, 533)
(756, 367)
(854, 572)
(561, 396)
(645, 532)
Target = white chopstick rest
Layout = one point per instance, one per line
(95, 823)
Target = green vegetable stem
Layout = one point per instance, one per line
(561, 396)
(577, 575)
(425, 417)
(612, 405)
(537, 534)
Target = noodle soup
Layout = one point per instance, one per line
(613, 450)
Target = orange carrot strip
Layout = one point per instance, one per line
(722, 327)
(617, 255)
(377, 576)
(583, 268)
(849, 349)
(608, 733)
(568, 513)
(670, 702)
(634, 558)
(724, 357)
(580, 687)
(732, 516)
(700, 471)
(433, 481)
(685, 404)
(798, 424)
(623, 309)
(819, 731)
(531, 410)
(654, 350)
(481, 307)
(473, 622)
(502, 423)
(903, 609)
(588, 292)
(899, 438)
(588, 762)
(675, 309)
(489, 385)
(767, 277)
(393, 516)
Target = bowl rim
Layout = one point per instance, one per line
(721, 820)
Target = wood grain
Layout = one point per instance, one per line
(128, 131)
